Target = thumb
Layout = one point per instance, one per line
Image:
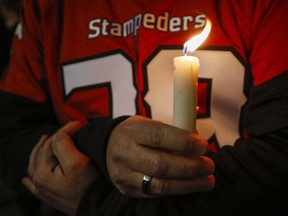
(71, 127)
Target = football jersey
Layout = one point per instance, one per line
(112, 58)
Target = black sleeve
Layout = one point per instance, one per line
(92, 140)
(9, 202)
(22, 122)
(267, 106)
(251, 177)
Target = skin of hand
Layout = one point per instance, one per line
(58, 173)
(173, 157)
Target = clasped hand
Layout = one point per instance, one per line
(58, 173)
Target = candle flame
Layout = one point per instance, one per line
(192, 44)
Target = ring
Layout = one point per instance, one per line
(145, 184)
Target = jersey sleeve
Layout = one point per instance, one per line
(25, 75)
(267, 104)
(268, 45)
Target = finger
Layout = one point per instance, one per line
(157, 163)
(47, 157)
(66, 152)
(71, 127)
(34, 155)
(159, 135)
(165, 187)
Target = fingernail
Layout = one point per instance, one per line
(199, 147)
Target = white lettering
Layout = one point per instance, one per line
(175, 24)
(200, 21)
(161, 23)
(186, 20)
(128, 28)
(138, 20)
(148, 21)
(116, 29)
(105, 24)
(94, 28)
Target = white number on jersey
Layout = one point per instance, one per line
(222, 68)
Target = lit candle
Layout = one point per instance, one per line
(186, 83)
(185, 92)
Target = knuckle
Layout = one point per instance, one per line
(156, 134)
(117, 153)
(78, 164)
(122, 185)
(158, 167)
(84, 162)
(118, 180)
(122, 191)
(126, 191)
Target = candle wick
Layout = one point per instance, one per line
(185, 48)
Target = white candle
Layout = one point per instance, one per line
(186, 83)
(185, 92)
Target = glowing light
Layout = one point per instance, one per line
(192, 44)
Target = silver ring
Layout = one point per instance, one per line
(146, 184)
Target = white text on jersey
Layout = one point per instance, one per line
(162, 23)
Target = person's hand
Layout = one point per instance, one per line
(172, 157)
(58, 172)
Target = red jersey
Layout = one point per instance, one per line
(112, 58)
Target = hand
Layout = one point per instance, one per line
(138, 146)
(58, 172)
